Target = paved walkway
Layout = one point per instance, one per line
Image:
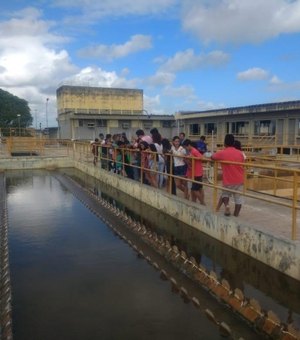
(270, 218)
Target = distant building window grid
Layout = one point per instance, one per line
(194, 129)
(265, 127)
(238, 128)
(210, 128)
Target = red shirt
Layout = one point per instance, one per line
(197, 170)
(233, 174)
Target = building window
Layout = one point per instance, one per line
(299, 127)
(101, 122)
(124, 124)
(210, 128)
(148, 124)
(238, 128)
(166, 123)
(194, 130)
(264, 127)
(80, 122)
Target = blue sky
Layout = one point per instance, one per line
(184, 54)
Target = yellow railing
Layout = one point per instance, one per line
(33, 147)
(265, 183)
(267, 179)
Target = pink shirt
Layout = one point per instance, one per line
(233, 174)
(197, 164)
(147, 139)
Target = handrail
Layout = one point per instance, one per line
(276, 176)
(274, 172)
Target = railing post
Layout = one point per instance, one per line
(245, 186)
(294, 207)
(275, 182)
(215, 191)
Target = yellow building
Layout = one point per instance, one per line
(84, 112)
(99, 100)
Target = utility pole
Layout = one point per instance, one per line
(47, 100)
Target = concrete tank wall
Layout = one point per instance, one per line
(282, 255)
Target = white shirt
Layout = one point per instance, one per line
(178, 161)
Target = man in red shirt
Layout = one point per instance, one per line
(195, 171)
(233, 174)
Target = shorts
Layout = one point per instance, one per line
(197, 186)
(152, 165)
(238, 198)
(180, 170)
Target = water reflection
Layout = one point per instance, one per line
(73, 279)
(272, 289)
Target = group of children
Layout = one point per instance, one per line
(151, 158)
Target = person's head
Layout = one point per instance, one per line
(166, 145)
(156, 137)
(176, 141)
(108, 137)
(229, 140)
(121, 144)
(140, 133)
(202, 138)
(187, 144)
(154, 131)
(152, 147)
(96, 140)
(143, 145)
(101, 136)
(237, 144)
(116, 137)
(182, 136)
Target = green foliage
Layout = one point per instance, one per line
(10, 107)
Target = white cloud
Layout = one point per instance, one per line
(182, 91)
(203, 105)
(120, 7)
(136, 43)
(240, 21)
(254, 73)
(94, 76)
(94, 10)
(153, 105)
(31, 63)
(161, 79)
(275, 81)
(188, 60)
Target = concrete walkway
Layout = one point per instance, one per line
(273, 219)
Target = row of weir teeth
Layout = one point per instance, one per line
(5, 282)
(249, 309)
(264, 322)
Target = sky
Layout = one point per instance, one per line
(184, 54)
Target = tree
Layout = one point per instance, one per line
(10, 107)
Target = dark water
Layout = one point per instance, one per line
(273, 290)
(72, 278)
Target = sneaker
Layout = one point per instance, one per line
(227, 211)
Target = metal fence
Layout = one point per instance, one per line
(273, 179)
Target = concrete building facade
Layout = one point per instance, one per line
(269, 124)
(85, 112)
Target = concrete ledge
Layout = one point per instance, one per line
(34, 162)
(282, 255)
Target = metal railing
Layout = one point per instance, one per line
(267, 179)
(268, 183)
